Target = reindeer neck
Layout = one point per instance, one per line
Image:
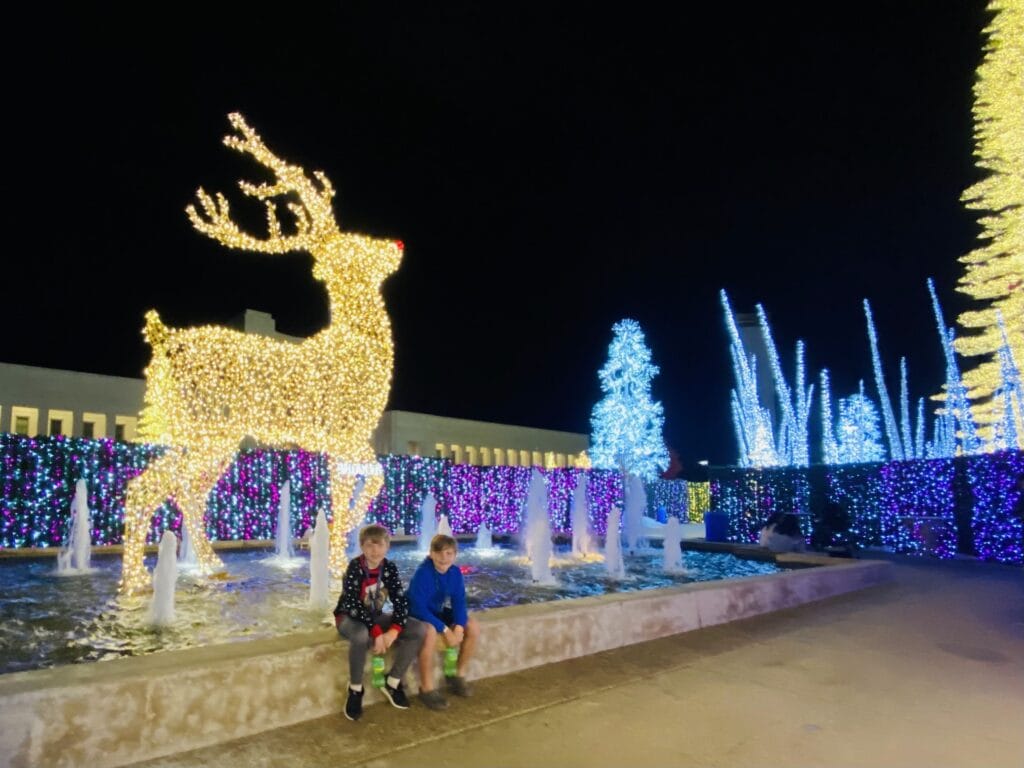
(356, 306)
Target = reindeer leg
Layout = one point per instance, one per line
(146, 493)
(346, 519)
(200, 478)
(342, 520)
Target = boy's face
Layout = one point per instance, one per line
(443, 560)
(374, 551)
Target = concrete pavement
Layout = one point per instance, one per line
(925, 671)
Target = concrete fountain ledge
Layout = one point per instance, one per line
(118, 712)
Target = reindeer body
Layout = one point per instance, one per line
(208, 388)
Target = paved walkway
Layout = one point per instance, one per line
(927, 671)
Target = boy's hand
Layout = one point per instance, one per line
(378, 645)
(459, 633)
(389, 637)
(453, 637)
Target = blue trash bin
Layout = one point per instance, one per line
(716, 526)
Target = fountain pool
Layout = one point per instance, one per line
(48, 621)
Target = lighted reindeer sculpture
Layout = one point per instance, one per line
(210, 388)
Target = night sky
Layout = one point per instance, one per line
(550, 171)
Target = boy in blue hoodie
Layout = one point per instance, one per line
(437, 597)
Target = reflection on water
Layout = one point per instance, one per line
(48, 620)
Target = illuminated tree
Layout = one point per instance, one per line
(995, 269)
(627, 425)
(859, 437)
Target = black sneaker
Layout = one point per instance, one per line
(459, 687)
(354, 705)
(433, 700)
(396, 696)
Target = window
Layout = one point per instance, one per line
(25, 420)
(59, 422)
(94, 425)
(413, 448)
(439, 450)
(124, 428)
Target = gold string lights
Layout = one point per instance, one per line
(210, 387)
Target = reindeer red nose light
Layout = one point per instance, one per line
(400, 245)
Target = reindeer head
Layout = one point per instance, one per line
(339, 257)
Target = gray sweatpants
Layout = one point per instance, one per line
(405, 647)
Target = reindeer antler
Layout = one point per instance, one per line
(314, 216)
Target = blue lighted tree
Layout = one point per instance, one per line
(859, 437)
(626, 426)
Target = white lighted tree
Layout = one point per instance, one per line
(626, 426)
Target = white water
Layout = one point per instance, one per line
(187, 560)
(673, 554)
(283, 546)
(75, 557)
(443, 527)
(353, 550)
(536, 509)
(161, 610)
(539, 537)
(428, 525)
(581, 540)
(636, 504)
(483, 537)
(319, 579)
(613, 547)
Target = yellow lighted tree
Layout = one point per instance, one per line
(995, 269)
(210, 388)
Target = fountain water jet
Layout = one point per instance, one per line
(75, 557)
(673, 553)
(443, 526)
(581, 541)
(613, 547)
(636, 503)
(536, 509)
(483, 537)
(319, 577)
(187, 560)
(428, 525)
(165, 575)
(353, 535)
(283, 548)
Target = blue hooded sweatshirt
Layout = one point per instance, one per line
(431, 592)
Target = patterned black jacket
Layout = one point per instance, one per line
(350, 603)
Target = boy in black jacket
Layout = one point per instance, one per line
(373, 611)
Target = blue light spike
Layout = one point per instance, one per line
(829, 448)
(891, 433)
(908, 444)
(752, 421)
(1011, 427)
(957, 410)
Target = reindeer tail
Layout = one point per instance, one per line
(155, 332)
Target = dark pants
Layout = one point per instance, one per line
(405, 647)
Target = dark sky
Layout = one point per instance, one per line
(550, 171)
